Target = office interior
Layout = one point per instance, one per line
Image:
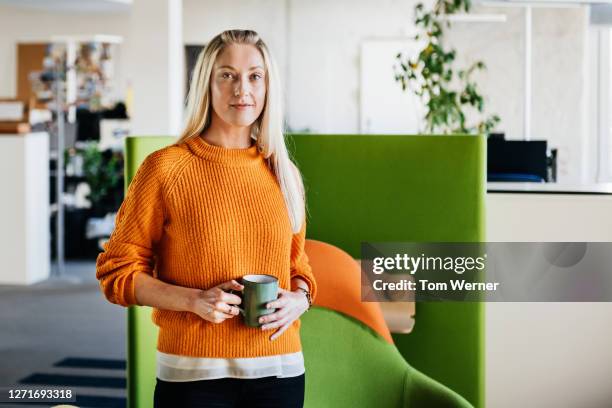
(98, 71)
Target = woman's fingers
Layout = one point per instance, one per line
(278, 303)
(219, 311)
(221, 315)
(237, 285)
(211, 314)
(230, 298)
(221, 307)
(228, 309)
(280, 331)
(229, 285)
(277, 323)
(272, 317)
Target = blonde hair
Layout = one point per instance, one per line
(267, 129)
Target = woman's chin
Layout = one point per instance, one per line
(241, 121)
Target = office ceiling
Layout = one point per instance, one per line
(72, 6)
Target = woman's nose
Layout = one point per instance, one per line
(242, 88)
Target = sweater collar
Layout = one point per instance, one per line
(218, 154)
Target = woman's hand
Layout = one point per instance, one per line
(215, 304)
(289, 307)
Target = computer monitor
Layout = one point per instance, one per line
(516, 160)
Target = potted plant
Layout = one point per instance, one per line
(103, 171)
(431, 75)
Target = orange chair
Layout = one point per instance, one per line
(338, 278)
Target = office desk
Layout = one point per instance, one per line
(549, 188)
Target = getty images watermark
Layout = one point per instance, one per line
(494, 271)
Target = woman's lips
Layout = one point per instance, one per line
(241, 106)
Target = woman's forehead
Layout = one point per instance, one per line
(240, 56)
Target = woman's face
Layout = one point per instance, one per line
(238, 85)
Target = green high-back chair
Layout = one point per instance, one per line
(371, 188)
(142, 333)
(394, 188)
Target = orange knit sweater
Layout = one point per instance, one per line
(197, 215)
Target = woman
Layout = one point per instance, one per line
(224, 201)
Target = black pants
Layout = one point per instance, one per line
(267, 392)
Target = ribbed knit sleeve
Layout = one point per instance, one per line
(300, 267)
(138, 227)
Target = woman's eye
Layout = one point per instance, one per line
(226, 75)
(256, 76)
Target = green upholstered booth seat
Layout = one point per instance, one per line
(371, 188)
(349, 365)
(398, 188)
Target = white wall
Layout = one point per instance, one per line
(326, 39)
(559, 75)
(157, 75)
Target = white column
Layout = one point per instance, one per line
(603, 95)
(528, 59)
(24, 208)
(156, 67)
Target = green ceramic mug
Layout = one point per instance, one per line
(258, 291)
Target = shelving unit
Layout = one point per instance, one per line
(78, 66)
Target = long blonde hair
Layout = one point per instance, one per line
(267, 129)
